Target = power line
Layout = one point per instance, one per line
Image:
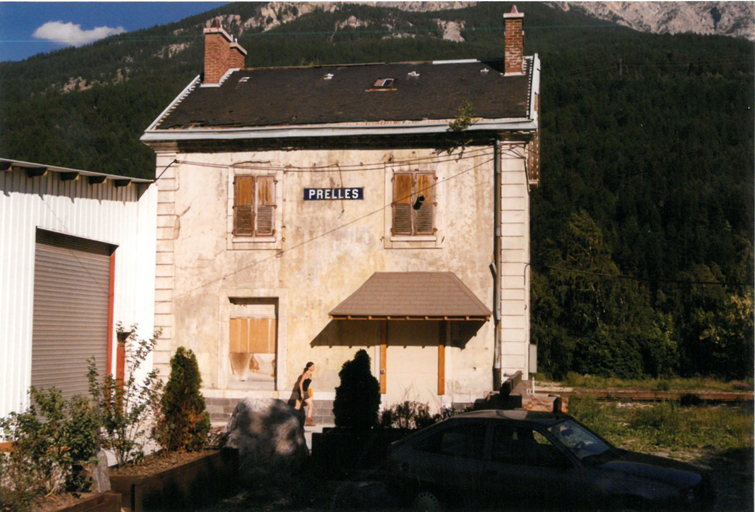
(266, 166)
(283, 252)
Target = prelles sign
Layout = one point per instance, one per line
(330, 194)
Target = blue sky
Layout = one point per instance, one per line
(28, 28)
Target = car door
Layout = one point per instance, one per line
(525, 468)
(449, 461)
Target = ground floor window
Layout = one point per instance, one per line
(253, 343)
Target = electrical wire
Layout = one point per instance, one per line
(264, 166)
(283, 252)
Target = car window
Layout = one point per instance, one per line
(578, 439)
(465, 441)
(524, 446)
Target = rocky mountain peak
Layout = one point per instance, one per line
(735, 19)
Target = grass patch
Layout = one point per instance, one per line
(575, 380)
(667, 426)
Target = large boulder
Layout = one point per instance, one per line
(269, 435)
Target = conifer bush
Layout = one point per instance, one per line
(358, 397)
(182, 422)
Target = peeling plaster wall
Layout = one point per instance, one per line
(322, 252)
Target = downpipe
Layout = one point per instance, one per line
(496, 267)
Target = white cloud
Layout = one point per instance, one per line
(72, 35)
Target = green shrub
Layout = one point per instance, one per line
(52, 442)
(411, 416)
(358, 397)
(182, 422)
(125, 406)
(406, 415)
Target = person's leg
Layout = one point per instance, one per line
(310, 409)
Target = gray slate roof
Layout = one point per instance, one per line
(412, 294)
(266, 97)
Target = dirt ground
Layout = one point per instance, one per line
(732, 473)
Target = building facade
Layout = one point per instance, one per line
(307, 213)
(77, 257)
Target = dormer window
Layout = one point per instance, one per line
(384, 84)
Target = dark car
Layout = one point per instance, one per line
(523, 460)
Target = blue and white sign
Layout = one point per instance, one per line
(332, 194)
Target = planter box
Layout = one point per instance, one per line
(341, 452)
(199, 482)
(104, 502)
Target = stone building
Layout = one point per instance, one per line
(308, 212)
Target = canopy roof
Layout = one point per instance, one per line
(412, 296)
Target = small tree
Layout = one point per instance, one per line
(182, 423)
(358, 397)
(126, 403)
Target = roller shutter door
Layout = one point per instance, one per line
(71, 308)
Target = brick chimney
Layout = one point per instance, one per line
(513, 24)
(221, 53)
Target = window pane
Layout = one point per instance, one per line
(465, 441)
(524, 446)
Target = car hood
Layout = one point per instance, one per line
(649, 467)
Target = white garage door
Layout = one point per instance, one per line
(71, 308)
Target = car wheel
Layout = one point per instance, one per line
(427, 502)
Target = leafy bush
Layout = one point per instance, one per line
(358, 397)
(125, 405)
(52, 441)
(411, 416)
(182, 422)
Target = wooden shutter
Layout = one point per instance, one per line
(71, 310)
(424, 217)
(265, 206)
(243, 206)
(402, 204)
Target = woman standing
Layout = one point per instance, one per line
(305, 397)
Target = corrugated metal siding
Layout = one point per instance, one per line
(71, 303)
(125, 217)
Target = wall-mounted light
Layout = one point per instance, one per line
(418, 203)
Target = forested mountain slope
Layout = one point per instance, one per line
(643, 223)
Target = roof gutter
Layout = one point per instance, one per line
(152, 135)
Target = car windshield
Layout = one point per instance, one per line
(578, 439)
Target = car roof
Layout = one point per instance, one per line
(546, 418)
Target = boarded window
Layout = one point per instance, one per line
(252, 344)
(254, 206)
(414, 203)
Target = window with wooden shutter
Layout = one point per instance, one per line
(402, 204)
(410, 215)
(254, 206)
(425, 215)
(265, 206)
(243, 207)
